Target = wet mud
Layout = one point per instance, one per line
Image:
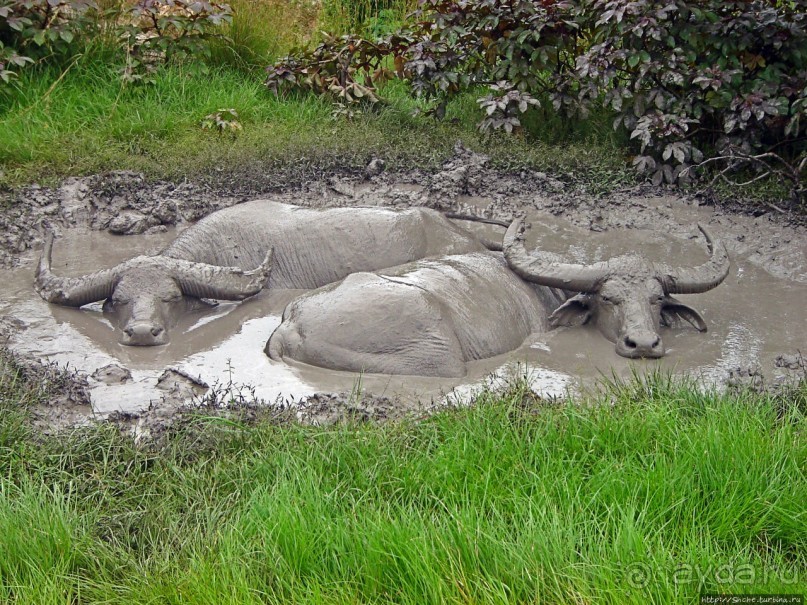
(757, 319)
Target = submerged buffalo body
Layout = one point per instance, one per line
(425, 318)
(431, 317)
(227, 256)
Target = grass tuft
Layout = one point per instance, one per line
(264, 30)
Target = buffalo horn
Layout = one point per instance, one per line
(694, 280)
(224, 283)
(546, 268)
(72, 291)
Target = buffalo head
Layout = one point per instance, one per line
(147, 292)
(627, 297)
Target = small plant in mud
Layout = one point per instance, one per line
(223, 120)
(357, 390)
(35, 382)
(229, 393)
(226, 394)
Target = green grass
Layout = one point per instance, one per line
(511, 500)
(83, 121)
(366, 17)
(263, 30)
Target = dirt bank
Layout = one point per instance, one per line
(124, 203)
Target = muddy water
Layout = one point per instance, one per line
(753, 317)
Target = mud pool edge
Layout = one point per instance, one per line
(100, 201)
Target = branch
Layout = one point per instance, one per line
(760, 158)
(154, 21)
(788, 171)
(755, 179)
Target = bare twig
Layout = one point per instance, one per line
(756, 178)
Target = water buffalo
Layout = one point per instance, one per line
(432, 316)
(313, 247)
(627, 297)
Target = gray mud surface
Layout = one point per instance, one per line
(757, 318)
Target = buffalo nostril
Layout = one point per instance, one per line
(656, 343)
(630, 343)
(156, 331)
(129, 331)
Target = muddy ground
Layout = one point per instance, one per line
(126, 203)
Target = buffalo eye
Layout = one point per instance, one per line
(173, 298)
(119, 300)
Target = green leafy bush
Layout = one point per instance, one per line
(726, 79)
(8, 60)
(529, 45)
(165, 30)
(693, 82)
(32, 29)
(150, 31)
(516, 48)
(348, 68)
(503, 106)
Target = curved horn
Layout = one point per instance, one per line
(694, 280)
(224, 283)
(71, 291)
(546, 268)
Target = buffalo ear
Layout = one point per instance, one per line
(674, 313)
(574, 312)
